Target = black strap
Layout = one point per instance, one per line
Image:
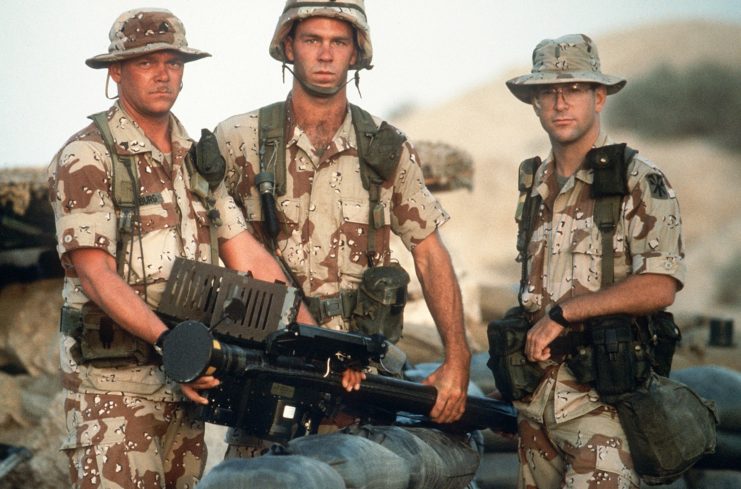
(610, 184)
(526, 223)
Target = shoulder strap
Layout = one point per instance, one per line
(271, 136)
(379, 149)
(125, 186)
(526, 211)
(610, 185)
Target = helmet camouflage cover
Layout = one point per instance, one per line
(352, 11)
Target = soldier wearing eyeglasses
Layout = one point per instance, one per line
(570, 437)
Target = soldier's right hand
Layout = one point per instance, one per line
(190, 390)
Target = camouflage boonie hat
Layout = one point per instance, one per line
(146, 30)
(570, 58)
(352, 11)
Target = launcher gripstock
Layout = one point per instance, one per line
(279, 380)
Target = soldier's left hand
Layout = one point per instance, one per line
(191, 388)
(351, 379)
(451, 383)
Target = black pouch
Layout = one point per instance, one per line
(665, 335)
(620, 363)
(382, 296)
(514, 375)
(669, 428)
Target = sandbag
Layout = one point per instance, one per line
(275, 472)
(361, 463)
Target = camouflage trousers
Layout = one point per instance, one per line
(123, 442)
(590, 451)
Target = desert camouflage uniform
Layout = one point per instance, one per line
(324, 212)
(564, 428)
(128, 425)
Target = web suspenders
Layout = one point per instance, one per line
(610, 166)
(379, 149)
(125, 188)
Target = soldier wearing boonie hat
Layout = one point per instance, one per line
(568, 59)
(336, 211)
(123, 194)
(599, 235)
(141, 31)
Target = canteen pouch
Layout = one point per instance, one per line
(382, 296)
(665, 335)
(514, 375)
(669, 428)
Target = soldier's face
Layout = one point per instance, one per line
(149, 85)
(569, 114)
(322, 51)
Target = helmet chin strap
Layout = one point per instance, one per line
(321, 92)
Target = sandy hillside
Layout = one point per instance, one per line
(499, 131)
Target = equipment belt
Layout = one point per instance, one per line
(567, 344)
(328, 307)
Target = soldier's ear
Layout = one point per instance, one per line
(288, 48)
(600, 97)
(114, 71)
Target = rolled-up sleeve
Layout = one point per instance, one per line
(655, 227)
(415, 213)
(80, 195)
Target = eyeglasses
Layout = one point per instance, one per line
(570, 93)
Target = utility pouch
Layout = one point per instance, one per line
(514, 375)
(106, 344)
(669, 428)
(382, 296)
(620, 364)
(665, 335)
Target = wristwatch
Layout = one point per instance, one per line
(556, 314)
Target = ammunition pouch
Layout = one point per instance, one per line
(615, 361)
(668, 426)
(103, 343)
(514, 375)
(621, 351)
(381, 298)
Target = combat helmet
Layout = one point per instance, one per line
(352, 11)
(567, 59)
(146, 30)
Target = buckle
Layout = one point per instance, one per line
(331, 307)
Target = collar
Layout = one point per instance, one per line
(342, 140)
(131, 140)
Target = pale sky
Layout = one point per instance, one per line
(425, 52)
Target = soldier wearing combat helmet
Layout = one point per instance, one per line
(599, 236)
(342, 181)
(126, 206)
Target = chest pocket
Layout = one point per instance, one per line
(158, 215)
(585, 245)
(354, 227)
